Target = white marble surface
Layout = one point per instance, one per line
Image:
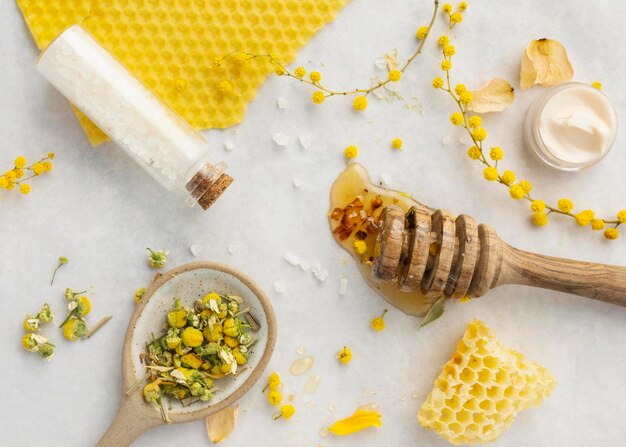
(100, 210)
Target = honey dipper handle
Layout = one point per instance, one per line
(598, 281)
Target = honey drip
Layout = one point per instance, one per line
(353, 183)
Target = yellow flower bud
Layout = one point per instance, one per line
(395, 75)
(351, 152)
(565, 205)
(360, 103)
(345, 355)
(422, 32)
(540, 219)
(516, 192)
(537, 206)
(490, 174)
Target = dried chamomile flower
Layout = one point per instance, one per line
(193, 351)
(139, 293)
(360, 420)
(36, 343)
(30, 324)
(45, 314)
(220, 425)
(33, 323)
(545, 62)
(495, 96)
(157, 259)
(79, 306)
(62, 261)
(74, 329)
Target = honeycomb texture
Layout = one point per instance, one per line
(171, 45)
(482, 388)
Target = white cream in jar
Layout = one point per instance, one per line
(571, 126)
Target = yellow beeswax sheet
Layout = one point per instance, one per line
(171, 45)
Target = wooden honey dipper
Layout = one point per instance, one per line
(443, 255)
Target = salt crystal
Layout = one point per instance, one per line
(415, 395)
(305, 141)
(386, 179)
(320, 272)
(282, 103)
(300, 350)
(343, 286)
(332, 407)
(229, 145)
(297, 182)
(324, 432)
(281, 139)
(305, 266)
(445, 140)
(292, 258)
(280, 286)
(233, 247)
(195, 249)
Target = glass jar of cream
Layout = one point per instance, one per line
(571, 126)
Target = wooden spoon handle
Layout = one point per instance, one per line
(129, 423)
(598, 281)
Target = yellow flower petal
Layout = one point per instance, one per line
(360, 420)
(545, 62)
(495, 96)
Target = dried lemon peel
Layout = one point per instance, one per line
(495, 96)
(364, 417)
(323, 92)
(220, 425)
(491, 159)
(545, 62)
(482, 388)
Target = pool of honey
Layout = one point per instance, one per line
(352, 184)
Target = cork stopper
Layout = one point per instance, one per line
(208, 184)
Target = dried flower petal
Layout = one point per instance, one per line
(495, 96)
(545, 62)
(360, 420)
(220, 425)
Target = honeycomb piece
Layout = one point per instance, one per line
(482, 388)
(171, 45)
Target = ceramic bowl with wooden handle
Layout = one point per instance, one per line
(189, 283)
